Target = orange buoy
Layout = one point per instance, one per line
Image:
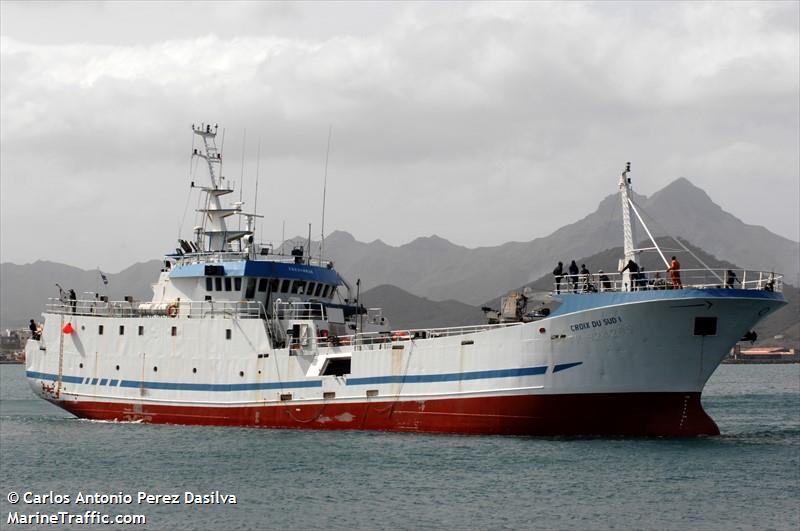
(68, 329)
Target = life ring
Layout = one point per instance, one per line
(172, 310)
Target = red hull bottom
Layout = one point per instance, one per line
(632, 414)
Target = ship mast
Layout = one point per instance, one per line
(631, 253)
(214, 227)
(627, 229)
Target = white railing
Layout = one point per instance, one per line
(217, 257)
(299, 310)
(395, 336)
(656, 280)
(131, 308)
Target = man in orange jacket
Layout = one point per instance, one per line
(675, 273)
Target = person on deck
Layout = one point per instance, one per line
(558, 272)
(730, 279)
(585, 275)
(34, 328)
(633, 270)
(605, 282)
(573, 275)
(73, 300)
(675, 273)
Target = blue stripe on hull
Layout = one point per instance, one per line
(372, 380)
(219, 387)
(452, 377)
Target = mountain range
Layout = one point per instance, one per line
(435, 268)
(432, 282)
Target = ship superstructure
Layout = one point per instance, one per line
(237, 334)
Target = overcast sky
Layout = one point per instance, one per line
(481, 123)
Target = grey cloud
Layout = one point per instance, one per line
(482, 123)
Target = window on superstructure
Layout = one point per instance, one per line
(310, 289)
(250, 290)
(174, 331)
(141, 330)
(326, 291)
(227, 283)
(227, 333)
(218, 283)
(262, 285)
(285, 286)
(209, 284)
(273, 285)
(100, 330)
(318, 291)
(298, 286)
(237, 283)
(121, 330)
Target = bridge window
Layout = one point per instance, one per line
(237, 283)
(227, 283)
(285, 286)
(273, 285)
(298, 286)
(318, 290)
(310, 289)
(262, 285)
(326, 291)
(218, 283)
(250, 291)
(209, 284)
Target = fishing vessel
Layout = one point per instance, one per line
(241, 334)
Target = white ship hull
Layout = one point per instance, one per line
(629, 363)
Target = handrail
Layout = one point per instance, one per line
(169, 309)
(213, 257)
(661, 279)
(299, 310)
(411, 334)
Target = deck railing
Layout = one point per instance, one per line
(411, 334)
(299, 310)
(656, 280)
(132, 308)
(217, 257)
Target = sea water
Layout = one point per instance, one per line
(749, 477)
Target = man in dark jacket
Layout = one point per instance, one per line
(585, 278)
(633, 268)
(558, 272)
(573, 275)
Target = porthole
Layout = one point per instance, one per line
(81, 365)
(155, 369)
(117, 367)
(194, 370)
(241, 373)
